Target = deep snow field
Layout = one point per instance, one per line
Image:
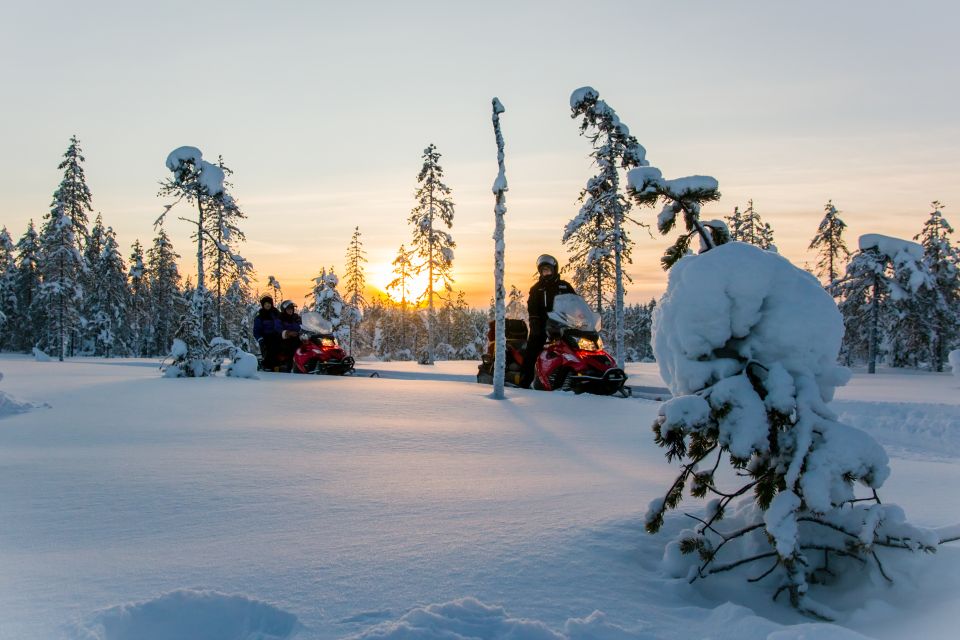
(405, 506)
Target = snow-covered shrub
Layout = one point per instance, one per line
(40, 356)
(954, 359)
(748, 345)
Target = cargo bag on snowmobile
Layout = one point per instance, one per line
(516, 334)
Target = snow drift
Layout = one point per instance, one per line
(188, 613)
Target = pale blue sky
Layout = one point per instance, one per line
(323, 109)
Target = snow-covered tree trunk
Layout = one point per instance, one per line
(499, 210)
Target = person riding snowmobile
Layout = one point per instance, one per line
(290, 326)
(548, 286)
(267, 330)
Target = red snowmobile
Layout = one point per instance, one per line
(319, 352)
(573, 358)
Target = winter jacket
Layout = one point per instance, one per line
(540, 301)
(266, 323)
(289, 323)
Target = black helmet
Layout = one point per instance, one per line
(547, 259)
(265, 299)
(287, 303)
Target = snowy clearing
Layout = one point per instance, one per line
(410, 505)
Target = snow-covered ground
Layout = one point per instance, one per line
(405, 506)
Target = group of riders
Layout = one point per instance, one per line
(278, 332)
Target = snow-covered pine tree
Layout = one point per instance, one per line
(238, 311)
(831, 250)
(327, 300)
(354, 288)
(222, 222)
(61, 268)
(139, 319)
(27, 288)
(109, 300)
(8, 289)
(201, 183)
(404, 271)
(597, 237)
(747, 226)
(166, 303)
(433, 245)
(73, 193)
(940, 302)
(885, 271)
(499, 291)
(756, 393)
(91, 255)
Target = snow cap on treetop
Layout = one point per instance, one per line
(890, 247)
(181, 154)
(498, 106)
(581, 95)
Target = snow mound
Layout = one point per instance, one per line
(40, 356)
(187, 613)
(470, 619)
(244, 365)
(954, 359)
(10, 406)
(738, 301)
(926, 431)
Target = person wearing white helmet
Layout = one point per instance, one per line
(289, 332)
(548, 286)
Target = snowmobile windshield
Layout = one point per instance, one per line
(573, 312)
(315, 323)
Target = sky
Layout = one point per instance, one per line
(323, 110)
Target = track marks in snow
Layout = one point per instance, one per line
(188, 613)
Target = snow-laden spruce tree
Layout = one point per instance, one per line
(8, 289)
(882, 280)
(327, 300)
(355, 283)
(108, 303)
(73, 193)
(57, 304)
(139, 314)
(239, 307)
(27, 288)
(832, 252)
(940, 302)
(747, 226)
(166, 301)
(433, 245)
(597, 237)
(499, 291)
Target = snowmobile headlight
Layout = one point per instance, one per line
(328, 342)
(586, 344)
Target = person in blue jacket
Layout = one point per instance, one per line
(289, 333)
(267, 330)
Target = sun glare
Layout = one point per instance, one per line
(381, 275)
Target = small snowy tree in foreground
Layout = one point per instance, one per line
(327, 301)
(748, 344)
(499, 292)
